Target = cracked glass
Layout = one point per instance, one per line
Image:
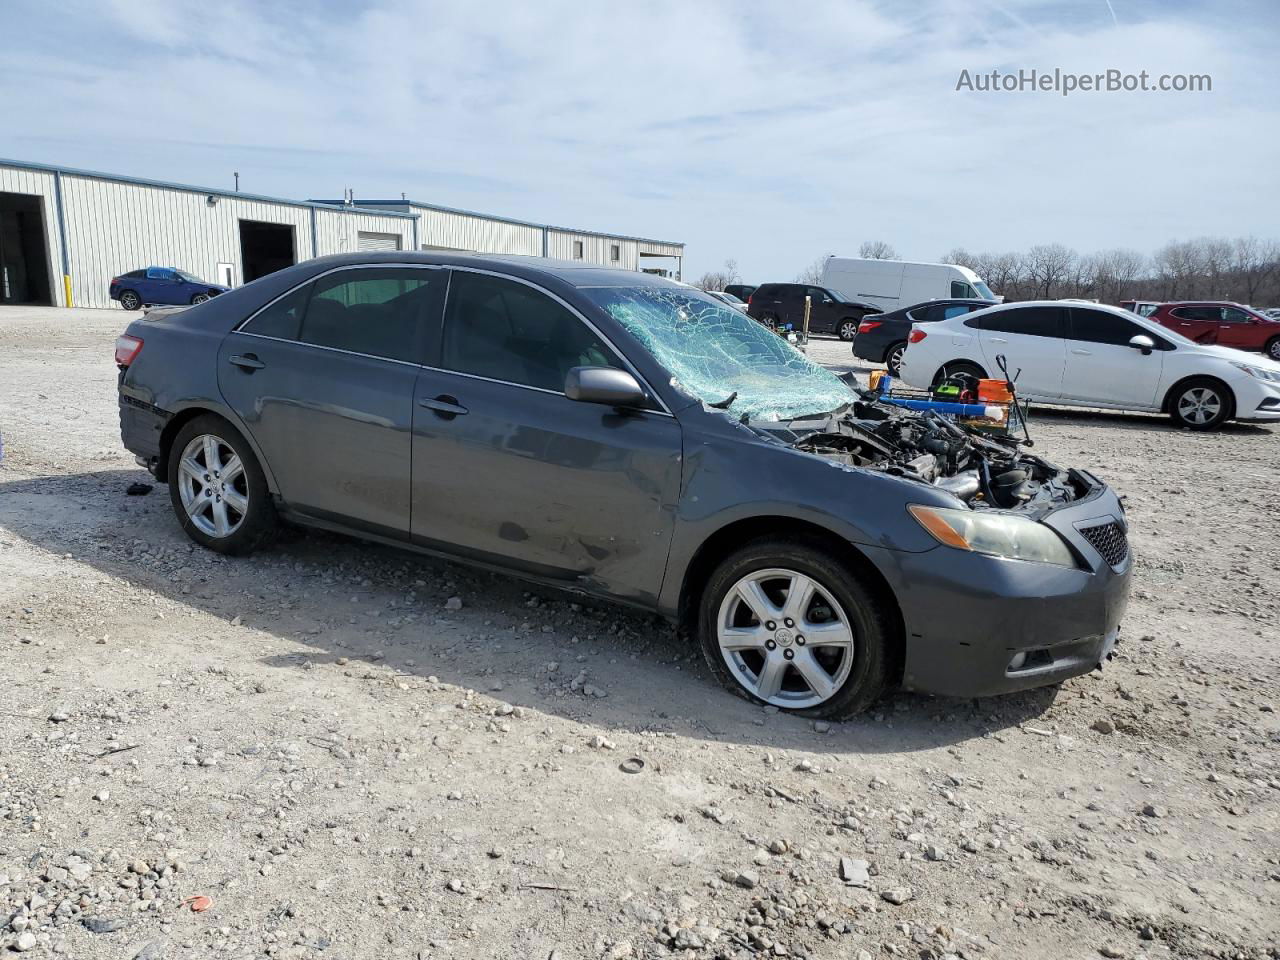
(713, 351)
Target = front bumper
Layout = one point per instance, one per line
(968, 617)
(1257, 401)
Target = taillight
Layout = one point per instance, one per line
(866, 325)
(749, 296)
(916, 335)
(127, 348)
(114, 281)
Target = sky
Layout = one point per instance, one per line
(771, 133)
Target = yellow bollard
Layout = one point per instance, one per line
(66, 286)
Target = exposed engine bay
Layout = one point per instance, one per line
(985, 471)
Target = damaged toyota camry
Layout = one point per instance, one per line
(628, 438)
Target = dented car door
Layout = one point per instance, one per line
(508, 470)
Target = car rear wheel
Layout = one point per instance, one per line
(1273, 349)
(1201, 404)
(217, 488)
(955, 367)
(770, 321)
(130, 300)
(199, 298)
(848, 329)
(893, 358)
(783, 623)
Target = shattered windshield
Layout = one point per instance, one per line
(714, 351)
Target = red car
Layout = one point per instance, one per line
(1226, 324)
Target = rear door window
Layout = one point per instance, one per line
(282, 319)
(378, 311)
(1097, 326)
(1028, 321)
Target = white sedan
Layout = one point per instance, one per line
(1090, 355)
(728, 298)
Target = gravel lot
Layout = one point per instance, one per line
(318, 740)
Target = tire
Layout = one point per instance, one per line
(849, 678)
(770, 321)
(130, 300)
(958, 366)
(893, 358)
(1272, 349)
(236, 515)
(848, 329)
(1201, 403)
(199, 298)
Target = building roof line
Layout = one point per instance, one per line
(188, 188)
(512, 220)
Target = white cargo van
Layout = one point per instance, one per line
(897, 283)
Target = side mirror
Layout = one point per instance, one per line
(1142, 342)
(607, 385)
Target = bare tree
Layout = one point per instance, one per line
(1253, 262)
(877, 250)
(719, 279)
(1049, 265)
(813, 272)
(960, 257)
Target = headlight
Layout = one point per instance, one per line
(995, 534)
(1257, 372)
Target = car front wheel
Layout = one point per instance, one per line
(893, 359)
(217, 488)
(1201, 404)
(783, 623)
(199, 298)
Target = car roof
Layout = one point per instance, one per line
(1205, 303)
(1061, 305)
(576, 273)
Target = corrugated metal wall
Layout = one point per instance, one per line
(595, 249)
(41, 184)
(456, 231)
(116, 227)
(336, 230)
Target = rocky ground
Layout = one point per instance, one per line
(345, 751)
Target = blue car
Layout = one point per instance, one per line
(167, 285)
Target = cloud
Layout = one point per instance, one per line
(768, 132)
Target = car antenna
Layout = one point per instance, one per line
(724, 404)
(1003, 364)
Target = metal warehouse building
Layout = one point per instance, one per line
(65, 233)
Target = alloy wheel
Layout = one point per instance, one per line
(785, 638)
(895, 359)
(213, 486)
(130, 301)
(199, 298)
(1199, 405)
(848, 330)
(1273, 350)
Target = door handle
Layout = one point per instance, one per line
(445, 406)
(246, 362)
(999, 340)
(1082, 353)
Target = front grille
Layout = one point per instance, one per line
(1109, 540)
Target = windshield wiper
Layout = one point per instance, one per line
(724, 404)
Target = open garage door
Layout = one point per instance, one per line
(366, 240)
(24, 256)
(265, 248)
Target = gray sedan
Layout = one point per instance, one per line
(632, 439)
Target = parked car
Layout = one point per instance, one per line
(728, 298)
(891, 284)
(617, 435)
(161, 285)
(742, 291)
(882, 337)
(1226, 324)
(777, 304)
(1143, 308)
(1098, 356)
(1272, 313)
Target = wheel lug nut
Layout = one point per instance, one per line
(800, 641)
(770, 645)
(789, 654)
(789, 622)
(771, 625)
